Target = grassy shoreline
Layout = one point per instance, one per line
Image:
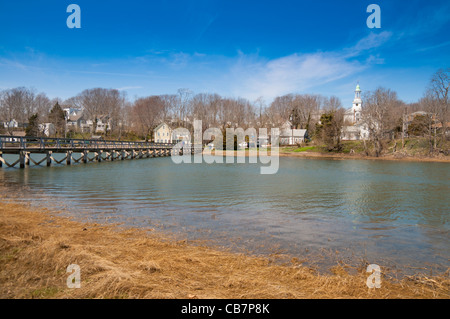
(337, 156)
(36, 246)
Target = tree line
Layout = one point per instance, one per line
(383, 112)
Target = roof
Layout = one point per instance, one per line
(73, 117)
(300, 133)
(293, 133)
(163, 123)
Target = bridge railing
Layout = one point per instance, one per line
(42, 143)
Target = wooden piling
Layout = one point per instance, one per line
(22, 159)
(49, 158)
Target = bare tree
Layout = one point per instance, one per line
(183, 106)
(101, 103)
(377, 114)
(332, 104)
(280, 110)
(306, 110)
(17, 104)
(205, 107)
(170, 102)
(438, 93)
(42, 105)
(146, 113)
(260, 109)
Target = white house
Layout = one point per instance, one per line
(11, 124)
(290, 136)
(354, 128)
(162, 133)
(103, 124)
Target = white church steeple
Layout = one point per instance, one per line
(353, 114)
(357, 102)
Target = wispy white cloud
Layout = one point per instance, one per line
(294, 73)
(440, 45)
(253, 76)
(14, 64)
(372, 41)
(126, 88)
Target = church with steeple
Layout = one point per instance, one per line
(354, 128)
(353, 115)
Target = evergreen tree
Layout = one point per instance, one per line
(328, 131)
(33, 126)
(58, 119)
(420, 126)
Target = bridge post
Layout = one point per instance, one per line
(69, 158)
(113, 152)
(49, 158)
(99, 156)
(1, 159)
(85, 156)
(122, 155)
(22, 159)
(27, 158)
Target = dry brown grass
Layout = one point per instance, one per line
(37, 246)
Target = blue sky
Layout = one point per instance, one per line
(234, 48)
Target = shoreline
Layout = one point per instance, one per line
(37, 245)
(338, 156)
(363, 157)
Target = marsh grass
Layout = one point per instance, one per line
(36, 246)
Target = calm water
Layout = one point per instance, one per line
(395, 214)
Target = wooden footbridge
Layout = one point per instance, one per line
(89, 150)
